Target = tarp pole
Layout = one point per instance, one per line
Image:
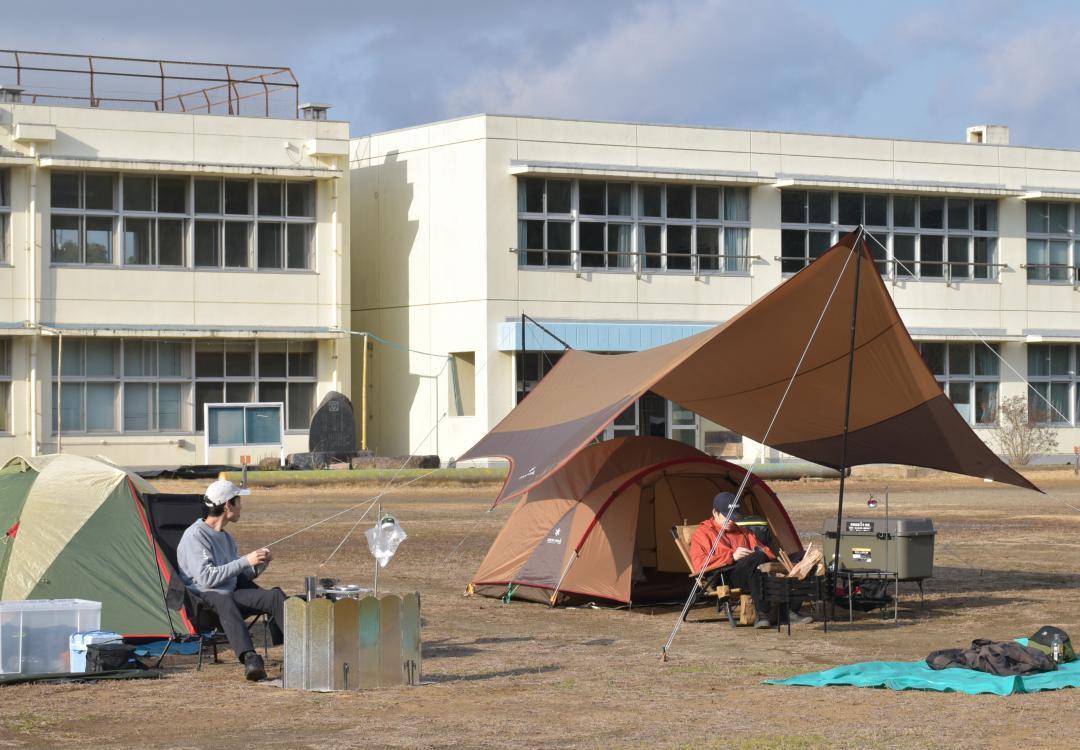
(363, 395)
(764, 441)
(548, 332)
(847, 405)
(555, 593)
(521, 363)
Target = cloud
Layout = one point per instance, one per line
(914, 69)
(725, 63)
(1033, 82)
(1027, 79)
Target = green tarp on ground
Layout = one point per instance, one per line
(916, 675)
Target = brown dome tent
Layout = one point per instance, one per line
(599, 527)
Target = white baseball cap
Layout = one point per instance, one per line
(222, 491)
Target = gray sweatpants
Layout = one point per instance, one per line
(248, 599)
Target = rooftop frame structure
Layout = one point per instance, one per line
(146, 84)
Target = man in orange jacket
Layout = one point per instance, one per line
(737, 556)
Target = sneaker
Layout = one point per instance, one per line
(799, 619)
(254, 669)
(763, 623)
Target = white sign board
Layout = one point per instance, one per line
(241, 425)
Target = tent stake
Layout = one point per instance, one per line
(847, 405)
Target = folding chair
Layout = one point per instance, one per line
(169, 515)
(208, 628)
(723, 593)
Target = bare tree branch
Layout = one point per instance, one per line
(1018, 438)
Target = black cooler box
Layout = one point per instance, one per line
(903, 545)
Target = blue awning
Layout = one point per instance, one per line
(595, 336)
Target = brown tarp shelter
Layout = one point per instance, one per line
(736, 375)
(599, 527)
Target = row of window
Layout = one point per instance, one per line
(135, 386)
(177, 221)
(166, 221)
(920, 236)
(883, 211)
(655, 227)
(140, 386)
(632, 226)
(164, 194)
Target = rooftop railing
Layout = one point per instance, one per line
(151, 85)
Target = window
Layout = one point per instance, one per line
(928, 237)
(534, 367)
(83, 217)
(5, 213)
(631, 226)
(5, 385)
(287, 373)
(160, 386)
(1051, 372)
(545, 222)
(462, 384)
(224, 373)
(155, 386)
(649, 415)
(654, 415)
(268, 224)
(1052, 255)
(228, 223)
(86, 376)
(155, 220)
(969, 374)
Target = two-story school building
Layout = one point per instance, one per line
(622, 236)
(153, 261)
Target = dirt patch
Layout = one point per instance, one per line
(524, 675)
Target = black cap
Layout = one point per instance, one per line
(1045, 635)
(723, 502)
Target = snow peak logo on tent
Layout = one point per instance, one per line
(555, 538)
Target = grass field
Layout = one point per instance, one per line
(524, 675)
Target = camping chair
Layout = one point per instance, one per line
(169, 515)
(723, 594)
(208, 628)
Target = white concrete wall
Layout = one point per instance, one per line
(419, 280)
(438, 246)
(183, 302)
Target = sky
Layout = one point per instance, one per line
(915, 69)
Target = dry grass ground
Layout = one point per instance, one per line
(524, 675)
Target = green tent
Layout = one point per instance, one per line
(75, 527)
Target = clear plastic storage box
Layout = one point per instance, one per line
(35, 635)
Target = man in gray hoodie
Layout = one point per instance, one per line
(214, 571)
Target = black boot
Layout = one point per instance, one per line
(254, 669)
